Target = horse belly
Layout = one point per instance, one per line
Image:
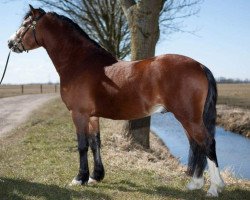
(128, 107)
(125, 112)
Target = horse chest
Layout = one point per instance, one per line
(77, 99)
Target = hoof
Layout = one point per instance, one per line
(75, 182)
(92, 181)
(221, 186)
(195, 184)
(214, 190)
(212, 195)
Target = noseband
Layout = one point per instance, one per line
(33, 26)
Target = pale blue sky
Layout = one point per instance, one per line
(223, 42)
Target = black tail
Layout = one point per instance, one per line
(209, 113)
(197, 154)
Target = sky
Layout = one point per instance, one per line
(222, 42)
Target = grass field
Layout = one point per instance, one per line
(234, 95)
(40, 159)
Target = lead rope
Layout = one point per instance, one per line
(5, 67)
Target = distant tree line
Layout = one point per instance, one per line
(232, 80)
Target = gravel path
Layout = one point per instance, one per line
(15, 110)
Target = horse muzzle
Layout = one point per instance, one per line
(14, 46)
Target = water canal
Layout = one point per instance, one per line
(233, 150)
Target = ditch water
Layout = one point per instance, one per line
(233, 150)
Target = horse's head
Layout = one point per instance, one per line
(25, 37)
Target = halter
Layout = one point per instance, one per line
(33, 26)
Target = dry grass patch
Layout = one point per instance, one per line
(234, 119)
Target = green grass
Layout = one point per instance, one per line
(234, 95)
(40, 159)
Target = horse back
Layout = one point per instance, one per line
(172, 81)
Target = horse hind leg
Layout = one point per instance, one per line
(217, 183)
(197, 155)
(203, 151)
(196, 165)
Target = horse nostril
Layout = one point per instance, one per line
(10, 44)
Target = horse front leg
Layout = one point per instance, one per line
(95, 145)
(82, 130)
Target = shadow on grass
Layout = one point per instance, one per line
(167, 192)
(22, 189)
(13, 189)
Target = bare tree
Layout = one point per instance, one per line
(144, 18)
(102, 20)
(174, 13)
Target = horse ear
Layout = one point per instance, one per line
(32, 10)
(31, 7)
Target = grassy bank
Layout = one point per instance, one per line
(234, 119)
(40, 159)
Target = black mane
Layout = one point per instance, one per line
(76, 27)
(29, 13)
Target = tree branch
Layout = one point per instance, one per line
(126, 4)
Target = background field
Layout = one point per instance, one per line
(14, 90)
(229, 94)
(234, 95)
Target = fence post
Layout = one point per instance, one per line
(55, 88)
(22, 89)
(41, 88)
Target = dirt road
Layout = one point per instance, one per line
(15, 110)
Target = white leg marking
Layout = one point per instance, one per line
(217, 184)
(75, 182)
(196, 183)
(92, 181)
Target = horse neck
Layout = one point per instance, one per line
(69, 50)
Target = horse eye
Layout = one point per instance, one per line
(26, 24)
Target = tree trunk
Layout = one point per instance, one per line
(143, 23)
